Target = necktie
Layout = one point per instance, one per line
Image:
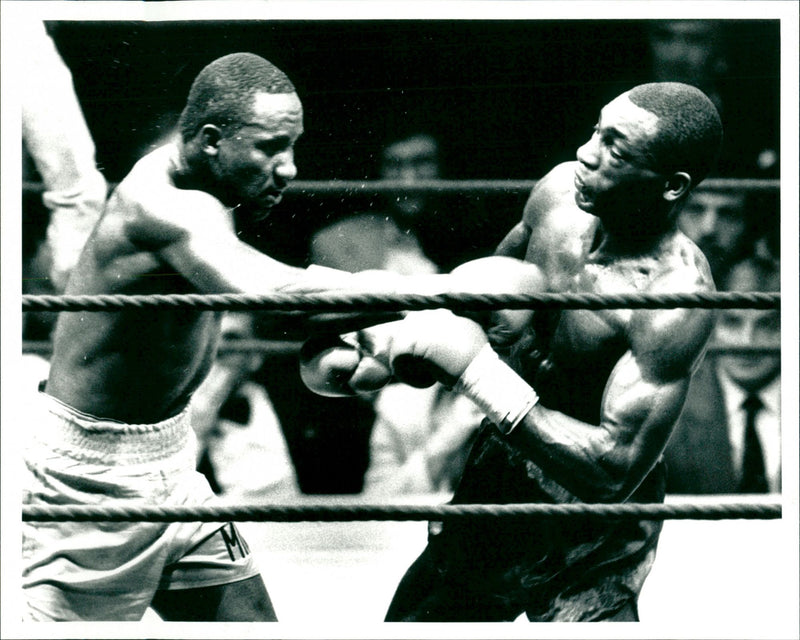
(754, 479)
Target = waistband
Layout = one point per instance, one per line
(84, 435)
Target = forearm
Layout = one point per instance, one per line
(583, 458)
(591, 461)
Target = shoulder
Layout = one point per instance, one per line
(552, 190)
(551, 206)
(149, 202)
(682, 267)
(559, 179)
(672, 341)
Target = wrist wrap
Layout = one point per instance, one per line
(497, 389)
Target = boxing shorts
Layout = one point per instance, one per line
(553, 569)
(112, 570)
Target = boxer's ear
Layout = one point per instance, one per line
(677, 186)
(210, 135)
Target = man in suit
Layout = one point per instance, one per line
(710, 450)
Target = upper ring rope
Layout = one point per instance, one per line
(397, 302)
(378, 187)
(360, 513)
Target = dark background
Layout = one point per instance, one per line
(507, 99)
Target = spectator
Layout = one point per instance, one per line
(720, 224)
(689, 51)
(57, 138)
(241, 448)
(385, 240)
(710, 444)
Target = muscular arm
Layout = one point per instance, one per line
(515, 244)
(190, 231)
(216, 261)
(642, 400)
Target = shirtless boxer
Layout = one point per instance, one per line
(112, 420)
(582, 404)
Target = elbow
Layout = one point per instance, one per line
(624, 475)
(620, 478)
(612, 491)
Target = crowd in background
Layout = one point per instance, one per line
(262, 435)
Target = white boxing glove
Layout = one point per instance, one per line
(439, 346)
(500, 274)
(331, 366)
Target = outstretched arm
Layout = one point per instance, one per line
(192, 232)
(597, 462)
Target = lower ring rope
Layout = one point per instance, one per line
(361, 513)
(282, 347)
(399, 302)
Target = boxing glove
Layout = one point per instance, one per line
(453, 350)
(366, 360)
(500, 274)
(336, 366)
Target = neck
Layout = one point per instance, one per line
(627, 242)
(191, 172)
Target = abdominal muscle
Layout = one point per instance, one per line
(133, 365)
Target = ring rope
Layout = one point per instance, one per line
(378, 187)
(361, 513)
(279, 347)
(396, 302)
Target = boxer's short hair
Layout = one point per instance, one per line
(689, 134)
(222, 93)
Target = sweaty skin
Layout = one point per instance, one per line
(135, 366)
(141, 366)
(611, 382)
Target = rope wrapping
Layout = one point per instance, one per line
(398, 302)
(362, 513)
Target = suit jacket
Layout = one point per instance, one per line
(698, 454)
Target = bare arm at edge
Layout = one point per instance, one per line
(642, 400)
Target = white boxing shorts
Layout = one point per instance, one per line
(112, 570)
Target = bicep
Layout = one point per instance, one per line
(639, 411)
(221, 263)
(194, 233)
(515, 243)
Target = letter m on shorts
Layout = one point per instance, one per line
(237, 547)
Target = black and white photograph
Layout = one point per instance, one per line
(320, 318)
